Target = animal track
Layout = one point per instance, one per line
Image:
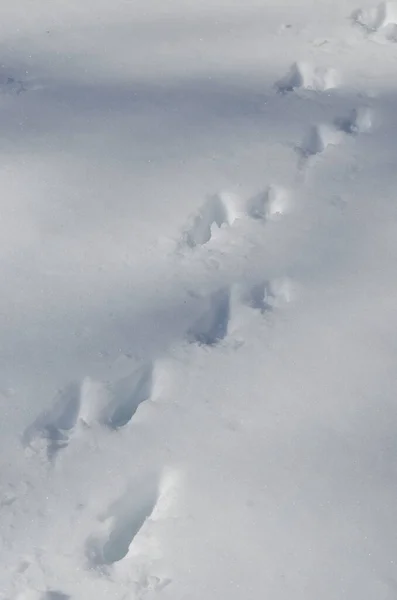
(55, 426)
(257, 296)
(212, 326)
(122, 522)
(318, 138)
(376, 18)
(217, 211)
(150, 583)
(126, 395)
(305, 76)
(266, 295)
(359, 121)
(272, 202)
(87, 403)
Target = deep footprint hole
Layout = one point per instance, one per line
(128, 394)
(212, 326)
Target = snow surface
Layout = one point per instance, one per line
(198, 313)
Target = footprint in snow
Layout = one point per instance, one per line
(302, 75)
(266, 295)
(257, 296)
(317, 139)
(126, 395)
(120, 527)
(55, 426)
(80, 405)
(212, 325)
(215, 213)
(271, 203)
(377, 18)
(358, 121)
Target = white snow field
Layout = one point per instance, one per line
(198, 310)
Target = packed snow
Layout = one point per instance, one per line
(198, 311)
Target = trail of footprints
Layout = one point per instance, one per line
(304, 76)
(113, 406)
(321, 135)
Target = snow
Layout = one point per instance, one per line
(198, 248)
